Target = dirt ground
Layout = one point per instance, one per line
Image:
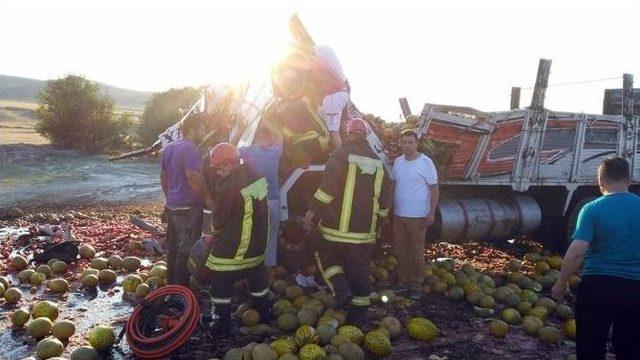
(464, 335)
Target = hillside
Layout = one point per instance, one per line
(25, 89)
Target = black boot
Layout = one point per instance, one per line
(222, 327)
(358, 315)
(263, 307)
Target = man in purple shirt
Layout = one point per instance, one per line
(185, 193)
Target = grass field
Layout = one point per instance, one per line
(17, 123)
(18, 120)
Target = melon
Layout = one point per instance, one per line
(86, 251)
(547, 303)
(555, 262)
(280, 306)
(250, 318)
(107, 277)
(487, 302)
(338, 340)
(354, 334)
(25, 275)
(63, 330)
(326, 332)
(498, 328)
(154, 282)
(287, 322)
(12, 295)
(19, 263)
(142, 290)
(455, 293)
(532, 325)
(19, 317)
(540, 312)
(59, 267)
(351, 351)
(131, 263)
(49, 348)
(90, 271)
(311, 352)
(263, 352)
(377, 343)
(524, 308)
(90, 281)
(46, 309)
(549, 335)
(307, 317)
(101, 337)
(511, 316)
(115, 262)
(439, 287)
(305, 335)
(422, 329)
(59, 286)
(37, 278)
(563, 312)
(4, 282)
(328, 320)
(84, 353)
(393, 326)
(131, 282)
(99, 263)
(39, 327)
(293, 292)
(159, 271)
(570, 328)
(283, 346)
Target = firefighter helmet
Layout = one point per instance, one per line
(223, 154)
(356, 125)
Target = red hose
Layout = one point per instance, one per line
(157, 347)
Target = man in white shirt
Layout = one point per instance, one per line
(415, 202)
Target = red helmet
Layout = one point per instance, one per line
(223, 154)
(356, 125)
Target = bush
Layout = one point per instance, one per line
(75, 114)
(163, 110)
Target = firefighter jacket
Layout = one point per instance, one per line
(240, 222)
(354, 192)
(299, 124)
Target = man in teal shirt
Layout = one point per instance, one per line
(607, 238)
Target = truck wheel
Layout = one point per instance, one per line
(571, 219)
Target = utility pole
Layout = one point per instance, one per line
(515, 98)
(542, 80)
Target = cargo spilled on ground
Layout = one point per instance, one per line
(481, 301)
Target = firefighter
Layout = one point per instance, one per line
(305, 134)
(355, 191)
(240, 228)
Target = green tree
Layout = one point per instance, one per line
(75, 114)
(163, 110)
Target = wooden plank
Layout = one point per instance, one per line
(404, 105)
(540, 88)
(515, 98)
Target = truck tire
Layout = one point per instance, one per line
(571, 218)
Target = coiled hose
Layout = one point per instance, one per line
(142, 323)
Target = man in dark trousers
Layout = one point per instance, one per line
(355, 191)
(240, 227)
(185, 193)
(607, 238)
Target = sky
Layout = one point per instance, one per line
(456, 52)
